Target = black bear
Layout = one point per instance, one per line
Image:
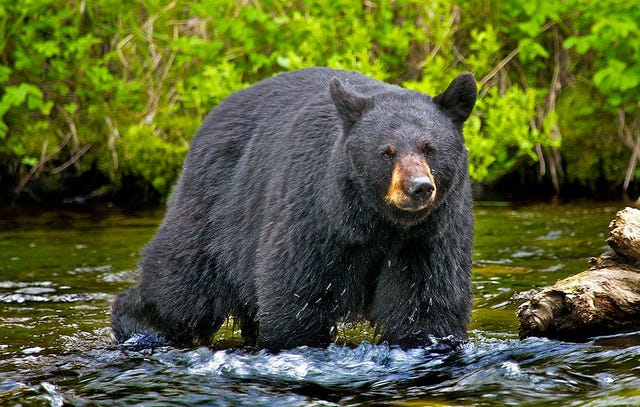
(312, 197)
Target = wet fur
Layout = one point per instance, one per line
(273, 223)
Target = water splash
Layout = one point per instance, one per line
(333, 366)
(483, 371)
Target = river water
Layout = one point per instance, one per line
(60, 269)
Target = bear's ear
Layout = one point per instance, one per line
(349, 104)
(459, 98)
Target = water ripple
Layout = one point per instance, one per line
(481, 372)
(21, 298)
(43, 291)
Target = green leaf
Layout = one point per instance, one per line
(283, 61)
(4, 129)
(70, 108)
(581, 44)
(532, 28)
(16, 95)
(5, 72)
(628, 82)
(30, 161)
(47, 48)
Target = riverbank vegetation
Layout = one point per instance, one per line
(100, 99)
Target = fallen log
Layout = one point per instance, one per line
(603, 300)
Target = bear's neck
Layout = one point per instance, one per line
(350, 217)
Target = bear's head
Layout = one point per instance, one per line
(406, 149)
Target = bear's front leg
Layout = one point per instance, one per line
(420, 297)
(291, 316)
(294, 281)
(296, 304)
(283, 329)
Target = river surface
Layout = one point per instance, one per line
(59, 270)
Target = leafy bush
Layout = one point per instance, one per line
(120, 88)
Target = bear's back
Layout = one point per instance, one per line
(277, 100)
(253, 128)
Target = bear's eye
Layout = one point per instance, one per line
(429, 151)
(426, 149)
(388, 153)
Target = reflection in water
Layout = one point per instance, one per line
(59, 273)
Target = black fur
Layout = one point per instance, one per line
(279, 218)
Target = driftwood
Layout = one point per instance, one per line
(603, 300)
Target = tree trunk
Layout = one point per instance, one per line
(603, 300)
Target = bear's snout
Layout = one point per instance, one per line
(412, 187)
(420, 188)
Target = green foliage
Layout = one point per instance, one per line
(151, 157)
(612, 34)
(18, 95)
(121, 87)
(590, 146)
(508, 115)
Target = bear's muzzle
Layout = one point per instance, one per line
(412, 186)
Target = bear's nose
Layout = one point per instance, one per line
(420, 187)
